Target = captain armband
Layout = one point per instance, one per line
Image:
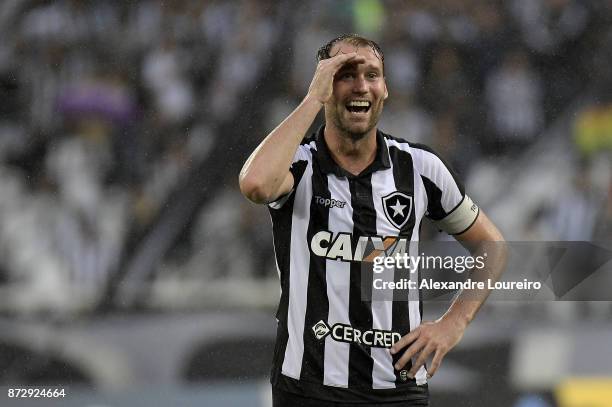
(461, 218)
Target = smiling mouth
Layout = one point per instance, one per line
(358, 106)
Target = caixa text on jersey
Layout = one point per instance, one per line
(340, 246)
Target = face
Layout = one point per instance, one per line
(358, 95)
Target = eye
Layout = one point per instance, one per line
(347, 75)
(372, 75)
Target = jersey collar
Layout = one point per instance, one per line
(329, 166)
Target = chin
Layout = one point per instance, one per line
(354, 130)
(358, 131)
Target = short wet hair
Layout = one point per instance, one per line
(352, 39)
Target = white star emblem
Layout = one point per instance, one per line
(397, 208)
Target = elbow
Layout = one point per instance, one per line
(499, 251)
(254, 191)
(502, 245)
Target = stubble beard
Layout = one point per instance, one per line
(346, 131)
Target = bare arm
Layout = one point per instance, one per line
(482, 237)
(265, 175)
(440, 336)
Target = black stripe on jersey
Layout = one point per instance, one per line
(403, 174)
(435, 210)
(297, 170)
(450, 169)
(281, 227)
(360, 312)
(317, 307)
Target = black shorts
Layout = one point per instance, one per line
(282, 398)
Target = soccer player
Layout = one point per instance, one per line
(330, 196)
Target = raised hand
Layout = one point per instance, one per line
(321, 87)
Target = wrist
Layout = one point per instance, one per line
(312, 100)
(457, 319)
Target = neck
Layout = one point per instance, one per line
(352, 155)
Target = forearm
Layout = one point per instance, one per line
(265, 170)
(468, 302)
(265, 176)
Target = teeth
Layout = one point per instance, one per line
(359, 103)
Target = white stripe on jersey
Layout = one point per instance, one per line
(420, 206)
(338, 275)
(298, 277)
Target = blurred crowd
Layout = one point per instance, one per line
(110, 106)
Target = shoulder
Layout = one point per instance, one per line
(420, 153)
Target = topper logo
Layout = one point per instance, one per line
(329, 202)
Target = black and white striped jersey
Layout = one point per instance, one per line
(331, 344)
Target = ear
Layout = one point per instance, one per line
(386, 92)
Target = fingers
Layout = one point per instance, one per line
(322, 84)
(405, 341)
(410, 352)
(429, 338)
(338, 61)
(420, 342)
(341, 59)
(420, 361)
(435, 363)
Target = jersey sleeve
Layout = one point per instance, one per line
(448, 206)
(298, 166)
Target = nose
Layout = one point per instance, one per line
(360, 84)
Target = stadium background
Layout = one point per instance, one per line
(132, 271)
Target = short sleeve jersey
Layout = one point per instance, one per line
(332, 344)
